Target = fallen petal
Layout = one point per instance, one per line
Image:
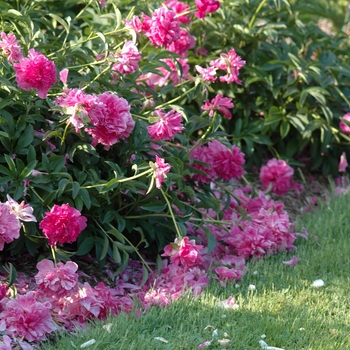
(317, 284)
(292, 261)
(88, 343)
(108, 327)
(161, 339)
(224, 342)
(229, 303)
(265, 346)
(205, 344)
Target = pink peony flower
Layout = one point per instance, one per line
(9, 46)
(160, 170)
(22, 211)
(206, 6)
(203, 155)
(220, 104)
(167, 125)
(185, 42)
(343, 125)
(62, 224)
(180, 9)
(3, 290)
(6, 343)
(79, 105)
(136, 24)
(28, 318)
(231, 63)
(165, 76)
(59, 281)
(36, 72)
(184, 252)
(207, 74)
(128, 59)
(291, 262)
(9, 225)
(278, 174)
(114, 123)
(226, 163)
(343, 164)
(163, 28)
(64, 76)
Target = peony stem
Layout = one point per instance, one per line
(172, 214)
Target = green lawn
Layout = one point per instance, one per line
(284, 306)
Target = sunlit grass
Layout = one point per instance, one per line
(284, 306)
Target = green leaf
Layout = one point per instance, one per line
(76, 189)
(113, 231)
(86, 246)
(105, 248)
(116, 254)
(144, 275)
(284, 128)
(154, 207)
(125, 261)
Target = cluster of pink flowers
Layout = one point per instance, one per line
(344, 127)
(166, 125)
(206, 6)
(230, 63)
(109, 115)
(184, 252)
(278, 175)
(10, 47)
(9, 225)
(167, 75)
(160, 170)
(127, 61)
(162, 29)
(62, 224)
(222, 162)
(220, 104)
(35, 72)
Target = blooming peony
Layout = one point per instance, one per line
(206, 6)
(114, 123)
(79, 105)
(9, 46)
(203, 155)
(227, 163)
(9, 225)
(344, 127)
(207, 74)
(22, 211)
(278, 174)
(231, 63)
(57, 281)
(36, 72)
(163, 28)
(181, 9)
(28, 318)
(185, 42)
(128, 59)
(160, 169)
(184, 252)
(220, 104)
(62, 224)
(167, 125)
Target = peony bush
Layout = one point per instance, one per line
(116, 148)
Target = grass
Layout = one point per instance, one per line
(284, 306)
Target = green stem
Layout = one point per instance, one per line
(172, 214)
(251, 22)
(176, 98)
(97, 76)
(53, 255)
(122, 180)
(65, 133)
(204, 136)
